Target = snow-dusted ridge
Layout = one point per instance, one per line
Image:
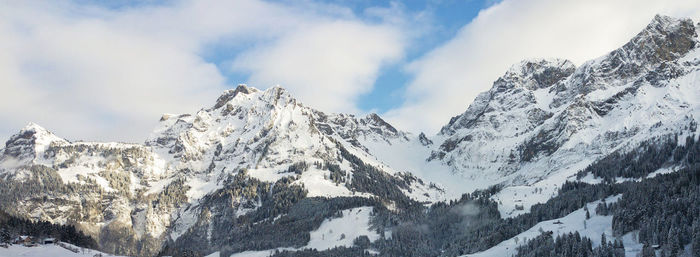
(545, 116)
(155, 189)
(265, 132)
(197, 174)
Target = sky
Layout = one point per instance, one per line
(107, 70)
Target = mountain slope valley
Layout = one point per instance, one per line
(602, 159)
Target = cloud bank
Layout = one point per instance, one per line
(89, 72)
(449, 77)
(96, 73)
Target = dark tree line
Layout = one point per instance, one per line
(340, 251)
(647, 158)
(569, 245)
(11, 227)
(665, 210)
(446, 229)
(440, 231)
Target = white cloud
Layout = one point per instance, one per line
(86, 72)
(86, 78)
(448, 78)
(326, 65)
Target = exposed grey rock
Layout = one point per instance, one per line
(539, 109)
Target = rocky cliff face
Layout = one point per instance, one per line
(252, 151)
(259, 170)
(547, 116)
(105, 189)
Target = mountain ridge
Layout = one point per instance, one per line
(160, 190)
(261, 160)
(566, 104)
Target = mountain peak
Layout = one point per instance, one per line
(39, 133)
(231, 93)
(34, 127)
(30, 141)
(374, 119)
(530, 65)
(663, 21)
(663, 39)
(530, 74)
(590, 109)
(537, 73)
(270, 95)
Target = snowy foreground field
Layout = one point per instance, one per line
(51, 250)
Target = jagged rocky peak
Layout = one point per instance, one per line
(534, 74)
(540, 109)
(514, 90)
(374, 120)
(30, 141)
(245, 97)
(349, 126)
(231, 93)
(664, 39)
(37, 132)
(244, 103)
(246, 122)
(424, 140)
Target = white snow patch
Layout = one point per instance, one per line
(52, 250)
(200, 187)
(590, 179)
(268, 174)
(353, 223)
(664, 170)
(184, 218)
(544, 98)
(214, 254)
(410, 156)
(516, 200)
(70, 175)
(632, 245)
(317, 184)
(342, 231)
(575, 221)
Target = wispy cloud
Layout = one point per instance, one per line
(104, 73)
(327, 65)
(448, 78)
(95, 73)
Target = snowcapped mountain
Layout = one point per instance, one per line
(260, 171)
(155, 192)
(268, 133)
(546, 116)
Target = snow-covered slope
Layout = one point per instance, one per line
(260, 159)
(53, 250)
(333, 232)
(156, 191)
(576, 221)
(546, 118)
(341, 231)
(266, 132)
